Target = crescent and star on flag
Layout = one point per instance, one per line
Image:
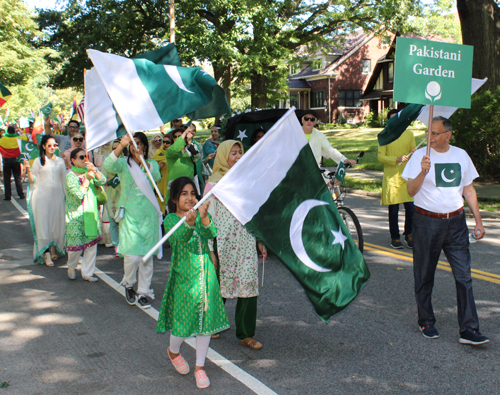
(296, 225)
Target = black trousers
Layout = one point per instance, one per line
(11, 166)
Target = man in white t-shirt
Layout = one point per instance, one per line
(439, 183)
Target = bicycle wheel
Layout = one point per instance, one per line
(352, 224)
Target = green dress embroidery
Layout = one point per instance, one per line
(75, 228)
(192, 304)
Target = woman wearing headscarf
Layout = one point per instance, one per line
(237, 256)
(46, 190)
(83, 227)
(155, 145)
(160, 157)
(140, 227)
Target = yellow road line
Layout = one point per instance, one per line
(482, 275)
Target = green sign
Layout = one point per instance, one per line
(432, 72)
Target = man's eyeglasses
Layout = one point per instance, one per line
(80, 139)
(434, 134)
(81, 157)
(312, 119)
(73, 127)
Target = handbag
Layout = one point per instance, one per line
(102, 198)
(120, 213)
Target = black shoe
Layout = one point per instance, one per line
(396, 243)
(473, 338)
(22, 197)
(130, 296)
(6, 198)
(429, 331)
(143, 302)
(409, 240)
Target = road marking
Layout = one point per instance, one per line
(482, 275)
(239, 374)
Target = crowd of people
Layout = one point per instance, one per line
(214, 257)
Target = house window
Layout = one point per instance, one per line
(367, 66)
(350, 99)
(293, 99)
(390, 73)
(318, 99)
(294, 68)
(316, 64)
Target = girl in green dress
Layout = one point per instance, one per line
(192, 304)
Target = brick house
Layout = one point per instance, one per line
(333, 81)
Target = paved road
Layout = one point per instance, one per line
(62, 337)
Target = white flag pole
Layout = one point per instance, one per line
(146, 167)
(177, 225)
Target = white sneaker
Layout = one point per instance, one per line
(71, 274)
(91, 279)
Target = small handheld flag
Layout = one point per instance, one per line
(5, 95)
(340, 173)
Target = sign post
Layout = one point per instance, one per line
(432, 72)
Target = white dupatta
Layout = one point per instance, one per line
(143, 184)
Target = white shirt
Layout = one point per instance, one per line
(442, 189)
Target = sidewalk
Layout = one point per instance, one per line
(484, 191)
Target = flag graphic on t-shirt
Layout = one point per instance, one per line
(448, 174)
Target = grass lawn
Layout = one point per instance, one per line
(350, 142)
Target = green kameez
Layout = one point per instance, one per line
(192, 304)
(138, 230)
(76, 240)
(179, 163)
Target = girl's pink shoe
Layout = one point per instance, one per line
(202, 380)
(179, 363)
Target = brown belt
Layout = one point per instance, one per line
(438, 215)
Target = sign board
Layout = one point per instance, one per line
(432, 72)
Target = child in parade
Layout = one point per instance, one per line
(192, 304)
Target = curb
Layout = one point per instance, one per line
(484, 214)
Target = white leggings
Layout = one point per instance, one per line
(202, 343)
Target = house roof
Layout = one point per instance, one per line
(298, 84)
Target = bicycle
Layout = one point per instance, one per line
(339, 193)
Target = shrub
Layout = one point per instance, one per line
(476, 131)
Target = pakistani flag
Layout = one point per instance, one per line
(46, 110)
(291, 210)
(340, 173)
(147, 95)
(28, 150)
(396, 126)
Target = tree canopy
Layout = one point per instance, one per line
(247, 42)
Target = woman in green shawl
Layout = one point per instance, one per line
(83, 228)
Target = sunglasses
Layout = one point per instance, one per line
(167, 142)
(81, 157)
(52, 145)
(175, 137)
(312, 119)
(80, 139)
(155, 141)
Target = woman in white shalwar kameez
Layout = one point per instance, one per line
(46, 207)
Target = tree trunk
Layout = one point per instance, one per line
(222, 74)
(480, 22)
(258, 91)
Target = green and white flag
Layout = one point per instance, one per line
(292, 212)
(340, 172)
(147, 95)
(46, 110)
(28, 150)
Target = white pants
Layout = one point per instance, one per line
(89, 258)
(132, 264)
